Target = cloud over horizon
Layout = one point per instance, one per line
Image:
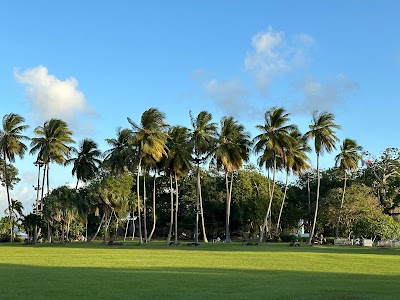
(322, 96)
(231, 97)
(50, 97)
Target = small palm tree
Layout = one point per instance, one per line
(150, 139)
(86, 162)
(233, 148)
(322, 130)
(11, 144)
(203, 137)
(347, 160)
(271, 143)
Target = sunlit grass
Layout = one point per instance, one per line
(216, 271)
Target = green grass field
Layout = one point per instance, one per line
(209, 271)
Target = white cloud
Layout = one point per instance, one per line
(323, 96)
(231, 97)
(51, 97)
(272, 54)
(25, 194)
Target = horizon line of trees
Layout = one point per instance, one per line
(151, 150)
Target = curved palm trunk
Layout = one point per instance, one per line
(98, 228)
(316, 203)
(228, 206)
(176, 208)
(270, 203)
(171, 210)
(196, 234)
(146, 239)
(282, 204)
(341, 204)
(154, 207)
(105, 225)
(201, 207)
(37, 204)
(138, 201)
(309, 202)
(8, 199)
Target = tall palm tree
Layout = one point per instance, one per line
(271, 143)
(150, 138)
(347, 160)
(203, 137)
(86, 162)
(295, 160)
(232, 149)
(322, 130)
(16, 210)
(52, 144)
(178, 163)
(11, 144)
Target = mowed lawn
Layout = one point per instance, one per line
(209, 271)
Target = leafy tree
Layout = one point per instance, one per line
(347, 160)
(203, 137)
(271, 143)
(322, 131)
(11, 144)
(384, 175)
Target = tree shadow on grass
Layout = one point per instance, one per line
(45, 282)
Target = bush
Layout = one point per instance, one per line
(4, 238)
(288, 238)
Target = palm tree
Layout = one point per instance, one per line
(203, 137)
(233, 148)
(86, 162)
(271, 143)
(121, 153)
(295, 160)
(178, 163)
(322, 130)
(52, 144)
(150, 139)
(11, 144)
(347, 160)
(16, 209)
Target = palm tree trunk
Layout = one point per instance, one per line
(270, 203)
(316, 203)
(68, 225)
(86, 229)
(146, 239)
(228, 208)
(282, 204)
(62, 231)
(126, 229)
(309, 202)
(171, 210)
(105, 225)
(37, 202)
(8, 198)
(176, 208)
(341, 204)
(98, 228)
(197, 204)
(133, 227)
(138, 199)
(201, 208)
(154, 207)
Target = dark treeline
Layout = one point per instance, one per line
(173, 182)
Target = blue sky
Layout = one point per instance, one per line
(95, 63)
